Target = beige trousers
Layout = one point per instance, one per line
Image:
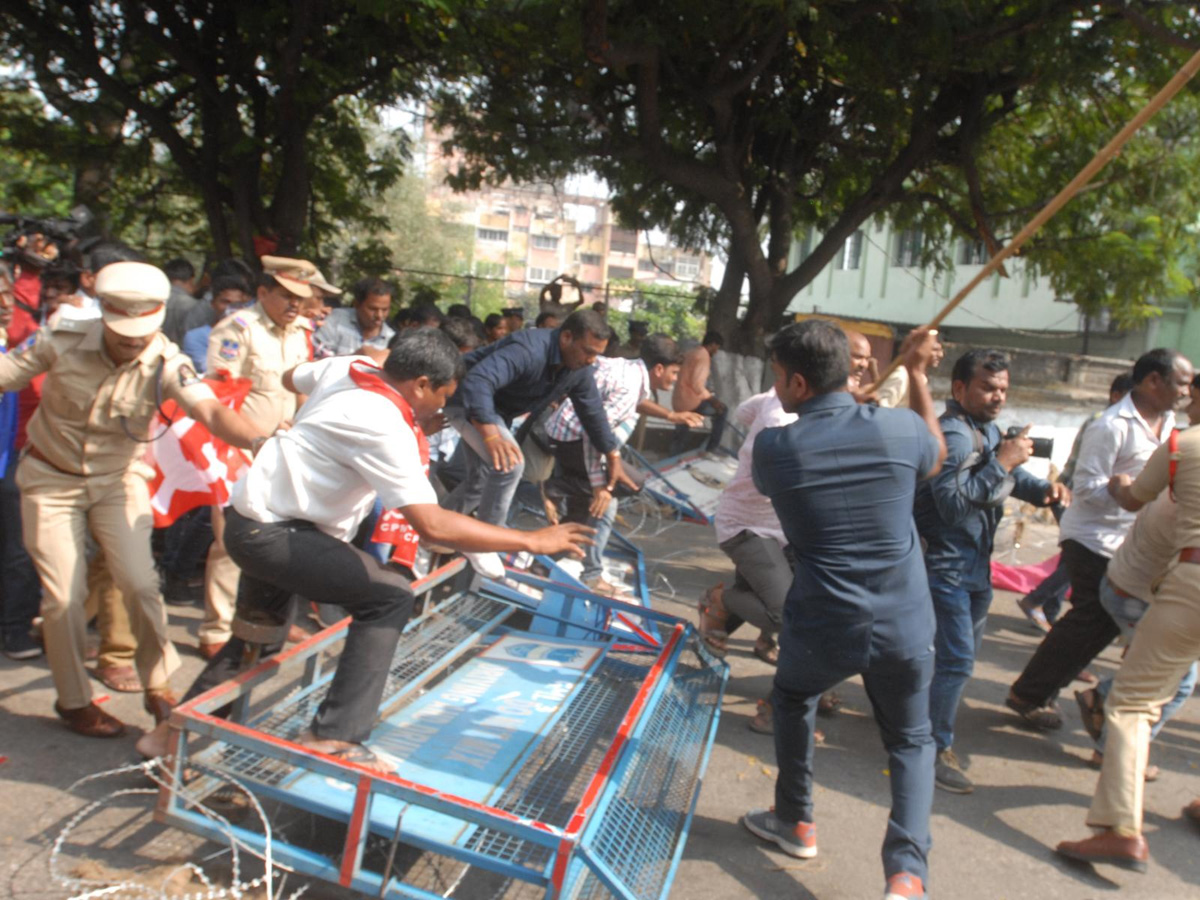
(57, 511)
(1165, 644)
(221, 576)
(107, 606)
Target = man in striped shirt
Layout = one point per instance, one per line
(627, 388)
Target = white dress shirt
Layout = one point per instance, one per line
(345, 446)
(1117, 443)
(741, 507)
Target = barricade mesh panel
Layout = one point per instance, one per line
(642, 821)
(421, 648)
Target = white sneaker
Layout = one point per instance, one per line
(488, 565)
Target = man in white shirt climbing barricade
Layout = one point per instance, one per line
(292, 516)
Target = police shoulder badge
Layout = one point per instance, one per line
(188, 376)
(228, 349)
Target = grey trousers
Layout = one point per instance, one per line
(295, 557)
(762, 577)
(486, 491)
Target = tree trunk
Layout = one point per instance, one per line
(722, 315)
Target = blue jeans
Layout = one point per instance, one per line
(486, 490)
(1127, 612)
(899, 693)
(593, 558)
(961, 615)
(1051, 592)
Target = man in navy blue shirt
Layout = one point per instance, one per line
(525, 373)
(842, 479)
(957, 513)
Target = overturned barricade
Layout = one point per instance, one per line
(542, 748)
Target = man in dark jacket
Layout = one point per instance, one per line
(525, 372)
(957, 513)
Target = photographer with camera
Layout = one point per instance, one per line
(957, 512)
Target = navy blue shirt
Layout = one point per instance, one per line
(842, 480)
(523, 371)
(956, 511)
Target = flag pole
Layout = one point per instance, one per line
(1086, 174)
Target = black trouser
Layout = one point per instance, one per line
(1077, 637)
(294, 557)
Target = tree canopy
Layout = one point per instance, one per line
(255, 109)
(740, 125)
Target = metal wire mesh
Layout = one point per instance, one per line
(643, 821)
(551, 783)
(419, 650)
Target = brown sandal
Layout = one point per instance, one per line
(828, 704)
(122, 679)
(712, 620)
(91, 721)
(159, 704)
(1091, 711)
(767, 650)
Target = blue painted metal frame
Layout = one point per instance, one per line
(195, 719)
(676, 496)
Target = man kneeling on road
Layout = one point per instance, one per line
(293, 514)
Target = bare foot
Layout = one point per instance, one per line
(345, 751)
(154, 743)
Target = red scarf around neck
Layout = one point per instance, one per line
(392, 528)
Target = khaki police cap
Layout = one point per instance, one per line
(320, 281)
(133, 297)
(294, 274)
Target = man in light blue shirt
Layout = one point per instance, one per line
(348, 330)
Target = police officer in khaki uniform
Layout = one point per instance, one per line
(105, 382)
(260, 343)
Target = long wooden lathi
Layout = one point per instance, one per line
(1086, 174)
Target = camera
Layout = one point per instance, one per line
(1042, 447)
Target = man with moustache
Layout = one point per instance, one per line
(957, 513)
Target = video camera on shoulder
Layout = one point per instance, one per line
(40, 241)
(1042, 447)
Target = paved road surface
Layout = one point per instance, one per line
(1033, 790)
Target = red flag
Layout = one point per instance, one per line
(191, 467)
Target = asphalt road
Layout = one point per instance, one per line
(1032, 789)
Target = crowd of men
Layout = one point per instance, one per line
(859, 522)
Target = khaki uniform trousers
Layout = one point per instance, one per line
(221, 576)
(107, 606)
(1165, 644)
(58, 510)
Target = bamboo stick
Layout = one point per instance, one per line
(1086, 174)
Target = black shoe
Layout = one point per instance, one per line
(21, 646)
(180, 591)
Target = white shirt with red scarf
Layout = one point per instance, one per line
(352, 439)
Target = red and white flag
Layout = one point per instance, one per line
(191, 467)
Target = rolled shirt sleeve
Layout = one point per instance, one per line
(1155, 476)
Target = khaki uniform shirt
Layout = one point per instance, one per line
(92, 408)
(1139, 563)
(1153, 481)
(248, 344)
